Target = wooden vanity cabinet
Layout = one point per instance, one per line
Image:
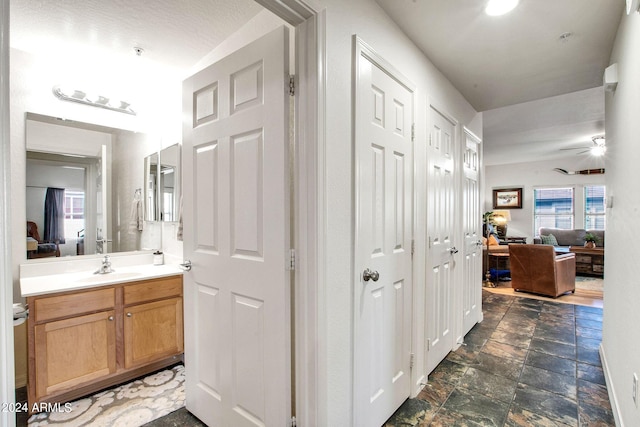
(80, 342)
(73, 351)
(153, 327)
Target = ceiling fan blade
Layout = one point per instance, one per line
(580, 172)
(574, 148)
(563, 171)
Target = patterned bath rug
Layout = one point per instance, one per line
(129, 405)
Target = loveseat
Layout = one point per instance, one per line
(568, 238)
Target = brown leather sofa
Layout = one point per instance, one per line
(538, 269)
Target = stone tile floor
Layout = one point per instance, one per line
(529, 363)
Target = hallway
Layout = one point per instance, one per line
(529, 363)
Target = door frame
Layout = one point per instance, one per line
(309, 207)
(7, 387)
(361, 48)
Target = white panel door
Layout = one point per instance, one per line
(236, 234)
(384, 171)
(441, 221)
(472, 249)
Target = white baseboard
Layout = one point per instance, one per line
(610, 388)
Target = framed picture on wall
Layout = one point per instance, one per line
(507, 198)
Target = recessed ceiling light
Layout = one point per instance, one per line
(500, 7)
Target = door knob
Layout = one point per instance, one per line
(370, 275)
(453, 250)
(186, 266)
(129, 314)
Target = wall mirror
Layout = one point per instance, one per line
(169, 183)
(85, 189)
(151, 207)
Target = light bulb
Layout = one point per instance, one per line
(500, 7)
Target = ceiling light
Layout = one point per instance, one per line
(599, 147)
(598, 150)
(82, 97)
(500, 7)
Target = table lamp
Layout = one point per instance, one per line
(501, 218)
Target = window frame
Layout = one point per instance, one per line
(602, 214)
(536, 215)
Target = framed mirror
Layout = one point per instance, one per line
(151, 200)
(97, 175)
(170, 183)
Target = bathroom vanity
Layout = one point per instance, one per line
(87, 332)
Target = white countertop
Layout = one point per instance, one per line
(62, 282)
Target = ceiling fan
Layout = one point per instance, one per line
(597, 149)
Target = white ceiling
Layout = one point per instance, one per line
(545, 129)
(517, 57)
(534, 88)
(494, 62)
(174, 34)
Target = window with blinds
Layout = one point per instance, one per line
(594, 207)
(553, 208)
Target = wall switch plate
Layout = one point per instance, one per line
(635, 389)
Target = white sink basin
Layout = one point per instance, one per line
(109, 277)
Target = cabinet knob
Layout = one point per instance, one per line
(110, 319)
(129, 314)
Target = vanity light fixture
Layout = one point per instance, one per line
(500, 7)
(81, 97)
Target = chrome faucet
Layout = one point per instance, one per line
(105, 267)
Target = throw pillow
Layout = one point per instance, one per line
(493, 240)
(549, 240)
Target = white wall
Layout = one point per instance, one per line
(368, 21)
(540, 174)
(621, 334)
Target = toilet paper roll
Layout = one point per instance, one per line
(18, 309)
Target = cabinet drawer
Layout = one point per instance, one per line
(583, 259)
(149, 290)
(583, 268)
(74, 304)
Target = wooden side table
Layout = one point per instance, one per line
(498, 261)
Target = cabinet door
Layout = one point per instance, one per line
(152, 331)
(74, 351)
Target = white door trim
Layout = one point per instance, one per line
(309, 206)
(7, 387)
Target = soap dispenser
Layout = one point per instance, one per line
(158, 258)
